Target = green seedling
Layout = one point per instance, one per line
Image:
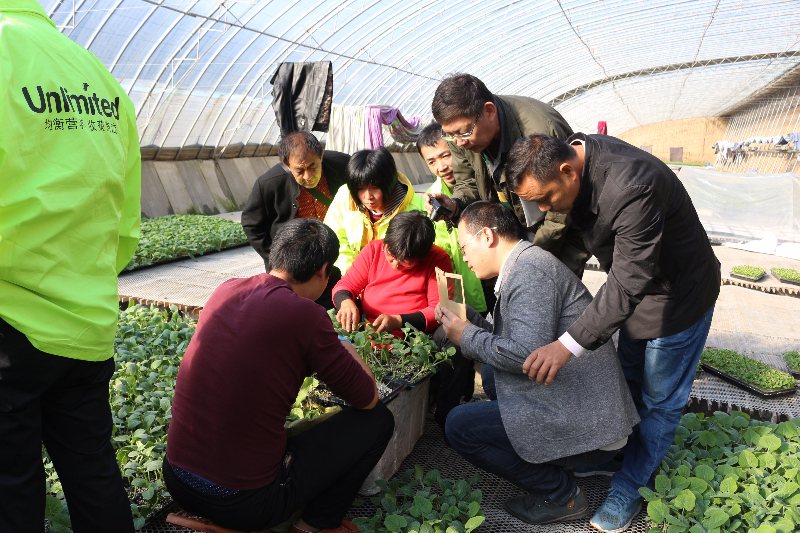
(749, 271)
(417, 502)
(727, 473)
(176, 236)
(787, 273)
(754, 372)
(793, 360)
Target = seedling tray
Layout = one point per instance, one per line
(795, 374)
(412, 384)
(749, 387)
(784, 280)
(331, 400)
(748, 278)
(185, 257)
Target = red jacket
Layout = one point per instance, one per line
(395, 292)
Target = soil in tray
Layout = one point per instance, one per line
(748, 386)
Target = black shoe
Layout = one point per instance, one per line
(535, 510)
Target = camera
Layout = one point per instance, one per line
(439, 212)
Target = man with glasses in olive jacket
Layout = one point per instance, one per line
(480, 128)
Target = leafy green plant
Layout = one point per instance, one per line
(176, 236)
(424, 503)
(793, 360)
(409, 358)
(749, 271)
(304, 406)
(727, 473)
(786, 273)
(754, 372)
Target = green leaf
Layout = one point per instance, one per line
(707, 438)
(155, 464)
(770, 442)
(715, 517)
(748, 459)
(684, 500)
(728, 484)
(148, 494)
(788, 488)
(765, 528)
(704, 472)
(423, 504)
(418, 472)
(473, 523)
(663, 484)
(647, 494)
(395, 523)
(657, 510)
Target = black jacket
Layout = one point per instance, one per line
(636, 217)
(302, 94)
(273, 200)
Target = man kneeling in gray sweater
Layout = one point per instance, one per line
(532, 434)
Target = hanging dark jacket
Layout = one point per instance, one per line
(636, 217)
(301, 96)
(273, 200)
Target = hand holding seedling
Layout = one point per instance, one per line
(546, 362)
(348, 315)
(387, 323)
(453, 326)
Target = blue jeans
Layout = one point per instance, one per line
(476, 432)
(660, 373)
(487, 379)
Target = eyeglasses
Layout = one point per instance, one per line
(461, 248)
(453, 136)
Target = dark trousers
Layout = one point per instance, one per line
(62, 403)
(454, 380)
(323, 468)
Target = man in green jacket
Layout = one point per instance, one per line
(70, 185)
(480, 128)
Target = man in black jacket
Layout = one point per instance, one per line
(300, 186)
(663, 280)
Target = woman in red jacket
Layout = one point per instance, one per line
(394, 278)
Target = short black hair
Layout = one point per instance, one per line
(494, 215)
(301, 247)
(459, 95)
(429, 136)
(371, 167)
(410, 235)
(299, 142)
(537, 156)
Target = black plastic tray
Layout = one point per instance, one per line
(794, 373)
(412, 384)
(748, 386)
(396, 387)
(784, 280)
(748, 278)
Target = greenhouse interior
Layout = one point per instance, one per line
(558, 241)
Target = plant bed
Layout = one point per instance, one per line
(408, 359)
(727, 473)
(749, 374)
(419, 379)
(748, 273)
(173, 237)
(793, 362)
(421, 502)
(787, 275)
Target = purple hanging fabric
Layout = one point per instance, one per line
(601, 128)
(403, 130)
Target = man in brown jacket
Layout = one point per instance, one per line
(480, 129)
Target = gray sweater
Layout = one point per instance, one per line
(588, 405)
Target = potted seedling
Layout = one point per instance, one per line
(787, 275)
(793, 361)
(749, 273)
(748, 374)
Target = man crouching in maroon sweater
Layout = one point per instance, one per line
(228, 457)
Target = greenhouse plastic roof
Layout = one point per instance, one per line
(198, 71)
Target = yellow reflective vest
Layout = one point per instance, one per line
(70, 187)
